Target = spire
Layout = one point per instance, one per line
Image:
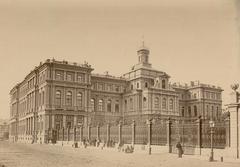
(143, 46)
(143, 41)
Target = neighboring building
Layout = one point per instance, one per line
(4, 130)
(59, 94)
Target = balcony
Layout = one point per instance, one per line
(66, 107)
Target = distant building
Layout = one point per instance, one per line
(59, 94)
(4, 130)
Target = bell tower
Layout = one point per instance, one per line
(143, 55)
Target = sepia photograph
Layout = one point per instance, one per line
(120, 83)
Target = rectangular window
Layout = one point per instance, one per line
(70, 76)
(100, 86)
(59, 75)
(117, 88)
(80, 77)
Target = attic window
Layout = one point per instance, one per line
(146, 84)
(163, 84)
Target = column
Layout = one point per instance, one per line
(26, 126)
(149, 124)
(227, 124)
(120, 133)
(133, 132)
(81, 133)
(89, 132)
(199, 134)
(98, 134)
(74, 133)
(63, 134)
(108, 133)
(75, 120)
(31, 125)
(53, 121)
(169, 135)
(64, 121)
(68, 133)
(233, 108)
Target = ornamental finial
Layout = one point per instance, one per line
(234, 87)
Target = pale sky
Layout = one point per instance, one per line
(188, 39)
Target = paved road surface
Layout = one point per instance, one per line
(35, 155)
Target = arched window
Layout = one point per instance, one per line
(171, 104)
(144, 102)
(189, 111)
(164, 104)
(79, 99)
(195, 110)
(43, 97)
(132, 87)
(183, 111)
(217, 112)
(146, 84)
(125, 105)
(117, 106)
(156, 102)
(69, 98)
(40, 99)
(100, 105)
(137, 85)
(109, 105)
(92, 105)
(212, 113)
(207, 114)
(163, 84)
(131, 103)
(58, 98)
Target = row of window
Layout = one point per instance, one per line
(106, 87)
(70, 76)
(164, 103)
(213, 113)
(146, 85)
(157, 103)
(195, 112)
(69, 98)
(212, 95)
(100, 105)
(28, 103)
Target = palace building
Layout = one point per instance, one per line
(60, 94)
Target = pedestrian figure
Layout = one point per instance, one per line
(180, 150)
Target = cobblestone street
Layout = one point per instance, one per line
(34, 155)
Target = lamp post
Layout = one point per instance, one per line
(211, 123)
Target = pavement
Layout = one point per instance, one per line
(37, 155)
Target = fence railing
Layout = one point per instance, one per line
(163, 133)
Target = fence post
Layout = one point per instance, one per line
(133, 132)
(199, 134)
(108, 133)
(98, 134)
(120, 133)
(68, 134)
(169, 135)
(227, 124)
(81, 133)
(58, 134)
(63, 134)
(149, 124)
(74, 134)
(89, 132)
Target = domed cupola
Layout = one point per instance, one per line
(143, 55)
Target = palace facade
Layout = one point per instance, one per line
(60, 94)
